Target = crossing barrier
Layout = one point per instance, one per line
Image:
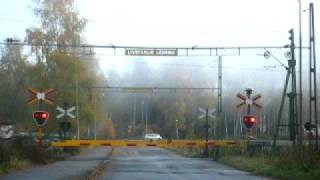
(147, 143)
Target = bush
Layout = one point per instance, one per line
(22, 152)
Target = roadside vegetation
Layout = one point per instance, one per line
(43, 66)
(284, 163)
(23, 153)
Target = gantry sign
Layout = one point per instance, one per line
(150, 52)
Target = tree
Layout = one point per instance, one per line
(59, 64)
(60, 25)
(13, 70)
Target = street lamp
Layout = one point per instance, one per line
(177, 129)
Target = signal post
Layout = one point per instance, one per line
(249, 119)
(40, 116)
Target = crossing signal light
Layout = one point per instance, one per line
(41, 117)
(249, 120)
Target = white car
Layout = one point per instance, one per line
(152, 136)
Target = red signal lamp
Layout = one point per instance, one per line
(249, 120)
(41, 117)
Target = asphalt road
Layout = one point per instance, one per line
(74, 167)
(160, 164)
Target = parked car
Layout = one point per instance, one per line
(152, 136)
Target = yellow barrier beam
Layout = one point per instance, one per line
(143, 143)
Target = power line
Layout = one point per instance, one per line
(206, 66)
(17, 19)
(126, 89)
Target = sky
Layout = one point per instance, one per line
(186, 23)
(175, 23)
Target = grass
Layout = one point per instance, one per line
(15, 160)
(288, 165)
(14, 164)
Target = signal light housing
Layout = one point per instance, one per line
(291, 33)
(308, 126)
(249, 120)
(41, 117)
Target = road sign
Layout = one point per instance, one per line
(6, 131)
(203, 113)
(46, 96)
(41, 117)
(254, 98)
(150, 52)
(65, 112)
(242, 97)
(211, 113)
(249, 101)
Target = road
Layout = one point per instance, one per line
(133, 163)
(75, 167)
(160, 164)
